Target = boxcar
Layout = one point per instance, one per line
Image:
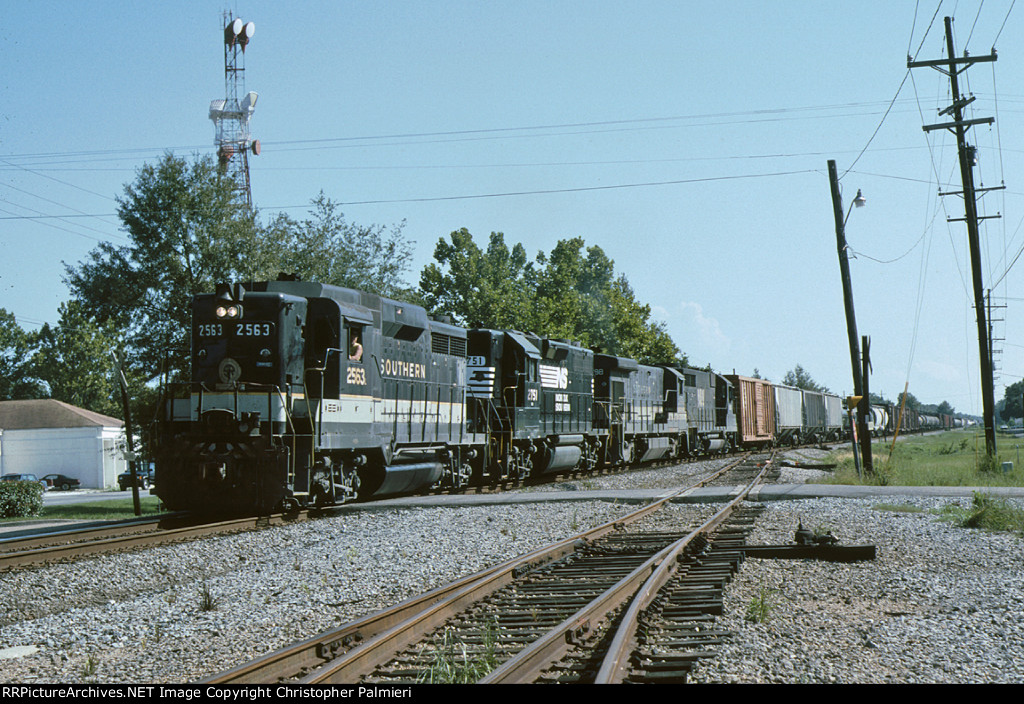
(755, 410)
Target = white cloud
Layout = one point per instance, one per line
(699, 335)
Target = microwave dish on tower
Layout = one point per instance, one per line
(230, 115)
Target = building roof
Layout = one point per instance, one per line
(50, 413)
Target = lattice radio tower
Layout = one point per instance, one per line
(231, 115)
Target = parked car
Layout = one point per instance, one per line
(145, 479)
(61, 481)
(24, 478)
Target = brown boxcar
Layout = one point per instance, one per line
(755, 410)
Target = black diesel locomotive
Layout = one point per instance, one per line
(310, 394)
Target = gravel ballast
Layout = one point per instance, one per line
(939, 604)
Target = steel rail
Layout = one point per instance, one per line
(615, 666)
(133, 539)
(377, 638)
(530, 662)
(47, 538)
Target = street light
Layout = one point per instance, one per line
(860, 201)
(851, 318)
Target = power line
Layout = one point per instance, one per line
(507, 194)
(500, 131)
(581, 189)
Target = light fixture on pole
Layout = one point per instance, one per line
(861, 428)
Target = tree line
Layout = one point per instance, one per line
(129, 305)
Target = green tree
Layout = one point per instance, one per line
(800, 379)
(634, 335)
(912, 403)
(330, 250)
(478, 288)
(186, 233)
(572, 293)
(17, 380)
(74, 359)
(1013, 400)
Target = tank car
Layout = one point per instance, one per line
(305, 393)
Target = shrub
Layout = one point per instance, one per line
(20, 499)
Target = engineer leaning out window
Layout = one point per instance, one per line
(355, 347)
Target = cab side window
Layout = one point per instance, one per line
(355, 343)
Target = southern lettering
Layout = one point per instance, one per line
(412, 370)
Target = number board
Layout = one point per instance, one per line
(256, 328)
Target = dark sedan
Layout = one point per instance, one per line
(61, 481)
(144, 478)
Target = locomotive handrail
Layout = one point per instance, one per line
(305, 391)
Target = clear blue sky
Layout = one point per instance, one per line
(688, 140)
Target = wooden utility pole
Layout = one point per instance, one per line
(952, 66)
(129, 432)
(863, 437)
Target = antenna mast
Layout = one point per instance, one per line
(231, 115)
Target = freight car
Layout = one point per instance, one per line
(309, 394)
(755, 411)
(774, 414)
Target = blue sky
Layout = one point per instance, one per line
(688, 140)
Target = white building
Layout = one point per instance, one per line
(45, 436)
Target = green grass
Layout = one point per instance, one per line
(455, 662)
(107, 510)
(898, 508)
(989, 513)
(760, 607)
(952, 458)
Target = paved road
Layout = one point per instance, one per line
(81, 496)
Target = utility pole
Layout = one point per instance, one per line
(952, 66)
(863, 437)
(129, 432)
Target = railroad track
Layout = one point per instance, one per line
(55, 546)
(528, 609)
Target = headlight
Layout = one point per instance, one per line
(228, 311)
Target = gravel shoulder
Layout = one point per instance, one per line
(940, 604)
